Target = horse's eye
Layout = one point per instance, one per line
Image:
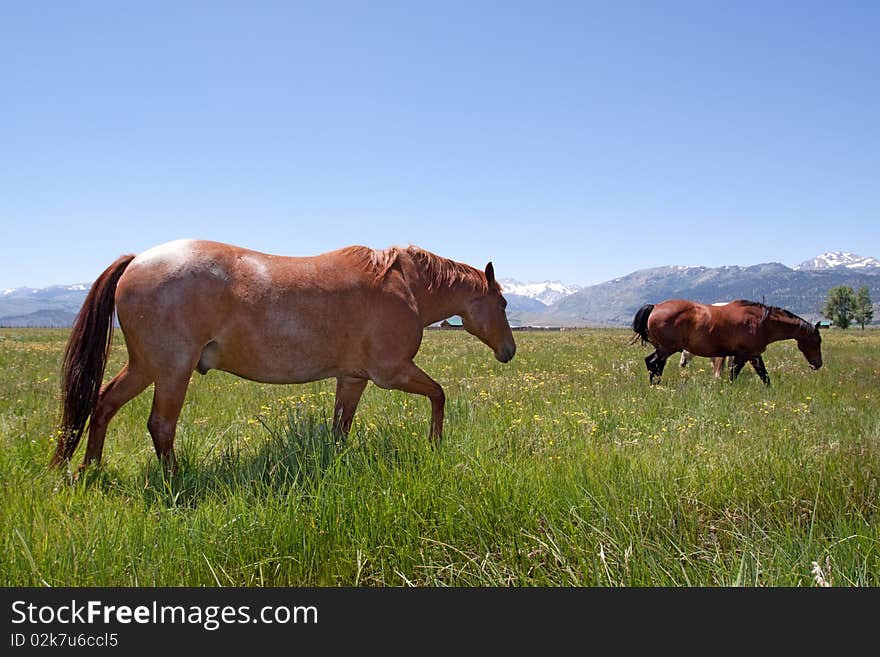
(503, 303)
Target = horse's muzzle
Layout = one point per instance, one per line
(505, 354)
(815, 366)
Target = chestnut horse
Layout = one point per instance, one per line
(356, 314)
(740, 330)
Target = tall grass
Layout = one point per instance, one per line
(561, 468)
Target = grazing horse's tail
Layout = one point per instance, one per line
(640, 323)
(85, 359)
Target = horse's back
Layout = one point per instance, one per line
(182, 272)
(189, 259)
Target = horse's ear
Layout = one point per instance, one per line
(490, 273)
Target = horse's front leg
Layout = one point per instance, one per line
(738, 364)
(758, 363)
(409, 378)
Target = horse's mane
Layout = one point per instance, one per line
(774, 310)
(437, 271)
(375, 261)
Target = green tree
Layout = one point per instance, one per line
(864, 312)
(840, 306)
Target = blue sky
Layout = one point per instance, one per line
(574, 141)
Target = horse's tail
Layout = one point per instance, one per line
(640, 323)
(85, 359)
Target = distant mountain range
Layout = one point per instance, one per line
(801, 289)
(49, 306)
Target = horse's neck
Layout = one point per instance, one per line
(438, 303)
(442, 288)
(783, 328)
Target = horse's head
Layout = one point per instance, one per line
(484, 316)
(810, 344)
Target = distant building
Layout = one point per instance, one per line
(452, 323)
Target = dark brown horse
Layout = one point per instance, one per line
(740, 330)
(356, 314)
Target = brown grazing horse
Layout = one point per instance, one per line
(356, 314)
(740, 330)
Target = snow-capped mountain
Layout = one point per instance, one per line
(838, 259)
(43, 292)
(49, 306)
(547, 292)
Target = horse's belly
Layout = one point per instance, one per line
(269, 364)
(280, 357)
(278, 375)
(709, 348)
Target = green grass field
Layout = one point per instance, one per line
(563, 467)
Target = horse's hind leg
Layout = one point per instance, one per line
(717, 365)
(348, 394)
(168, 397)
(659, 364)
(123, 387)
(738, 364)
(650, 359)
(655, 364)
(758, 363)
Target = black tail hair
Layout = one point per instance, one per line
(640, 323)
